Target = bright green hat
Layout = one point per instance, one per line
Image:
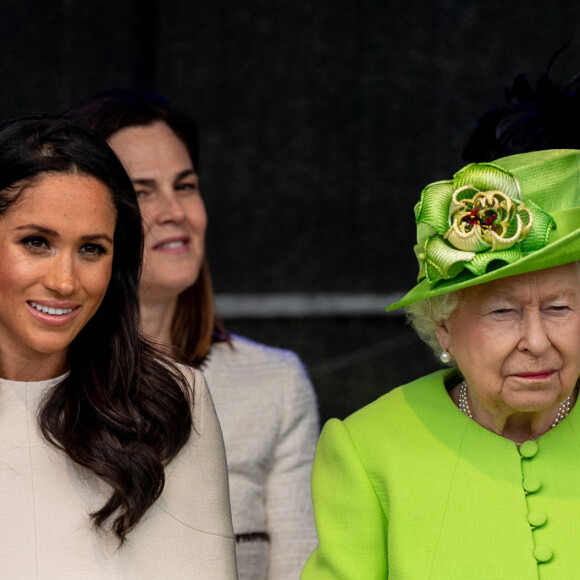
(492, 220)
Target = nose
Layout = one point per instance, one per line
(169, 208)
(61, 277)
(534, 338)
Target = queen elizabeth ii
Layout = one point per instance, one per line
(472, 471)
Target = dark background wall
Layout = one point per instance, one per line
(320, 123)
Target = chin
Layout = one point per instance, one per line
(170, 283)
(178, 285)
(50, 348)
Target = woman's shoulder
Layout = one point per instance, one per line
(193, 376)
(244, 353)
(196, 490)
(259, 373)
(195, 383)
(404, 420)
(427, 392)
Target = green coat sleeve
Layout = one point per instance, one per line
(351, 523)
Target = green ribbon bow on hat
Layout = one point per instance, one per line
(477, 218)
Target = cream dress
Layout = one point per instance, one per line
(45, 527)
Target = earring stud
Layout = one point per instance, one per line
(445, 357)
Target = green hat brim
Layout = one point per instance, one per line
(563, 247)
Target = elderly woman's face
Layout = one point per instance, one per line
(517, 340)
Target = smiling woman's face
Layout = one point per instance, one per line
(173, 212)
(56, 254)
(517, 340)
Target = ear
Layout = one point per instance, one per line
(444, 337)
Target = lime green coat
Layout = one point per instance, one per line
(411, 488)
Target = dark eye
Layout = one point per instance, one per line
(35, 243)
(186, 187)
(558, 308)
(141, 193)
(502, 314)
(94, 250)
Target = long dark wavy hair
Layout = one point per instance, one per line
(195, 325)
(122, 412)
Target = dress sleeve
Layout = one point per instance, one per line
(290, 518)
(196, 493)
(351, 523)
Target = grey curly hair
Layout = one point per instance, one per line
(425, 316)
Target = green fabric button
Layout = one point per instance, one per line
(531, 483)
(537, 518)
(543, 553)
(528, 449)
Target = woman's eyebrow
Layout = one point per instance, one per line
(186, 173)
(146, 182)
(96, 237)
(54, 233)
(38, 228)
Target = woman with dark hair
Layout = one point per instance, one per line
(263, 397)
(96, 425)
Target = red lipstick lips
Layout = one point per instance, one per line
(539, 375)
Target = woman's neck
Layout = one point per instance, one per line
(516, 426)
(156, 320)
(26, 368)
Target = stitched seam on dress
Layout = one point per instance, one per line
(369, 478)
(467, 424)
(192, 528)
(32, 484)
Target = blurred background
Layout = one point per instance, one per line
(320, 124)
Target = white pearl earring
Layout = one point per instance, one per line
(445, 357)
